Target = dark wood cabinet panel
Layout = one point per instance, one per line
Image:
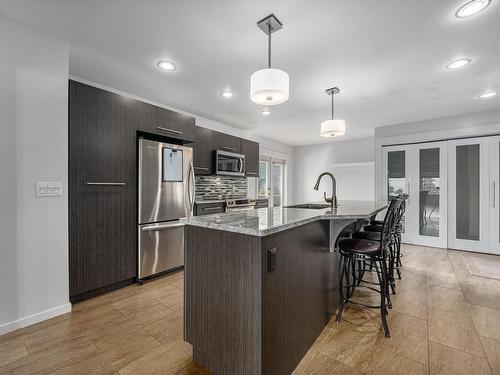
(102, 218)
(251, 151)
(295, 301)
(226, 142)
(203, 159)
(158, 120)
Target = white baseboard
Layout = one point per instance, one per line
(35, 318)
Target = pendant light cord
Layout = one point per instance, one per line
(269, 44)
(332, 104)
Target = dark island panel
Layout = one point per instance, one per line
(296, 297)
(222, 300)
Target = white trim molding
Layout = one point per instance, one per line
(35, 318)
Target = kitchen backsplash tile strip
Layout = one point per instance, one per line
(221, 187)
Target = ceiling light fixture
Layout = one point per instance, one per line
(471, 8)
(489, 94)
(227, 94)
(458, 64)
(167, 65)
(334, 127)
(269, 86)
(265, 112)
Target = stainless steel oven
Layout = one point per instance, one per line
(228, 163)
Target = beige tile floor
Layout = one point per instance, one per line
(444, 321)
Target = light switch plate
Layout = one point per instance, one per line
(49, 189)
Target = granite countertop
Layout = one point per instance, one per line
(265, 221)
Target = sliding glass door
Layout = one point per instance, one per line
(271, 182)
(419, 170)
(396, 177)
(429, 200)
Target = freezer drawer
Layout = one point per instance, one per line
(161, 247)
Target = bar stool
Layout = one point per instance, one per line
(373, 253)
(373, 231)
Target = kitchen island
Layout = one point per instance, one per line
(261, 285)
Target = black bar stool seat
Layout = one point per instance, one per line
(359, 246)
(372, 236)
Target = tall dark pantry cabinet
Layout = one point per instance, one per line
(102, 191)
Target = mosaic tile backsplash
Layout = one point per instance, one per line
(221, 187)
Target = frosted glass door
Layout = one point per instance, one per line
(429, 202)
(494, 195)
(469, 195)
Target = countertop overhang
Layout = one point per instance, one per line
(265, 221)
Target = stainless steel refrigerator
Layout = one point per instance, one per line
(166, 194)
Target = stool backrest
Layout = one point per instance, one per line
(389, 224)
(402, 208)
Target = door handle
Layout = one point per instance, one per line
(241, 164)
(151, 228)
(169, 130)
(202, 168)
(494, 194)
(107, 183)
(408, 192)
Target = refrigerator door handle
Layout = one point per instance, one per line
(160, 227)
(191, 186)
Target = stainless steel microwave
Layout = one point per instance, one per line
(230, 164)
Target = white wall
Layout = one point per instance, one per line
(462, 126)
(267, 147)
(351, 162)
(33, 147)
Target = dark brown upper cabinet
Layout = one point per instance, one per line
(251, 151)
(202, 151)
(161, 121)
(226, 142)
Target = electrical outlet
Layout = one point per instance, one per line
(49, 189)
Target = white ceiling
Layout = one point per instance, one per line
(387, 57)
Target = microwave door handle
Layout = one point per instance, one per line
(240, 164)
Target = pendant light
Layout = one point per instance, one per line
(334, 127)
(269, 86)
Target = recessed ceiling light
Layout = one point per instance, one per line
(265, 112)
(458, 64)
(227, 94)
(471, 8)
(489, 94)
(167, 65)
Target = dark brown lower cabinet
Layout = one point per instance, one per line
(102, 191)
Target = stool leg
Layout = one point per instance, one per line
(383, 298)
(342, 262)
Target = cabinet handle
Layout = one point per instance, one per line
(202, 168)
(228, 148)
(169, 130)
(494, 194)
(254, 173)
(107, 183)
(210, 208)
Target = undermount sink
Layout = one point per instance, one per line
(312, 206)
